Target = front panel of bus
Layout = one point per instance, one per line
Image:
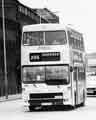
(45, 65)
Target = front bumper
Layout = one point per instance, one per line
(46, 99)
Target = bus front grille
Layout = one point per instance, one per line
(39, 98)
(44, 95)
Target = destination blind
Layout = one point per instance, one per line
(45, 56)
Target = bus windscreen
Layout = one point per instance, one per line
(44, 38)
(52, 75)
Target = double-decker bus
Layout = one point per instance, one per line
(53, 66)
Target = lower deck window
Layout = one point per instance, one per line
(48, 74)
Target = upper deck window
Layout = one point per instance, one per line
(76, 40)
(55, 38)
(33, 38)
(44, 38)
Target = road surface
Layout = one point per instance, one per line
(13, 110)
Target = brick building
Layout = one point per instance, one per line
(17, 15)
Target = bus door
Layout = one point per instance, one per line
(76, 89)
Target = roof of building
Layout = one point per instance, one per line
(47, 14)
(44, 13)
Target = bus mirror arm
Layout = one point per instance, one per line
(71, 69)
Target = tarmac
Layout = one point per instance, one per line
(10, 97)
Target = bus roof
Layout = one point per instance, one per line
(43, 27)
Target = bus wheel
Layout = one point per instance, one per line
(31, 108)
(75, 100)
(83, 103)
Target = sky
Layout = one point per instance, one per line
(78, 14)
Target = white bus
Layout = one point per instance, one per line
(91, 83)
(53, 66)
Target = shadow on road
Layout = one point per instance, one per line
(52, 108)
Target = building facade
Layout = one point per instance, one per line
(16, 15)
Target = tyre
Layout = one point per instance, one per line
(75, 105)
(83, 103)
(31, 108)
(75, 100)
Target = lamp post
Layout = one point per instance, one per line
(40, 19)
(4, 43)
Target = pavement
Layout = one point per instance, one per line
(11, 97)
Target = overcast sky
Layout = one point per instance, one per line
(81, 14)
